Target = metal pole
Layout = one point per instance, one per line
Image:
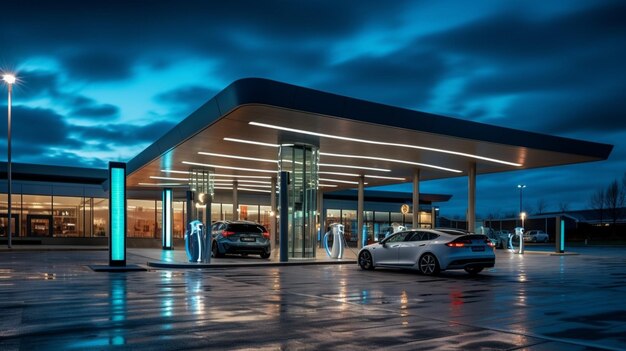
(416, 199)
(9, 166)
(471, 197)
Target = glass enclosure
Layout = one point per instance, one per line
(301, 161)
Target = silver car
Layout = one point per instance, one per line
(536, 236)
(430, 251)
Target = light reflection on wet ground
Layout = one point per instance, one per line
(50, 300)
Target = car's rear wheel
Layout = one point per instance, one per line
(545, 240)
(365, 260)
(215, 251)
(265, 255)
(473, 270)
(428, 264)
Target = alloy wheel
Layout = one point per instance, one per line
(428, 264)
(365, 260)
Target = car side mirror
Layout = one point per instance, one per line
(383, 244)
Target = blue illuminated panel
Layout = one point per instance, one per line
(562, 235)
(167, 219)
(117, 214)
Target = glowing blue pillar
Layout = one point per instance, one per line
(117, 214)
(167, 225)
(559, 238)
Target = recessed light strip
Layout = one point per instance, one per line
(354, 167)
(236, 157)
(392, 160)
(373, 142)
(339, 181)
(227, 167)
(218, 175)
(163, 184)
(251, 142)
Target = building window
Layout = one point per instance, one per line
(100, 217)
(141, 220)
(68, 216)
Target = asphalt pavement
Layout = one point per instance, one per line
(51, 300)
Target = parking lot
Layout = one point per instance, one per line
(51, 300)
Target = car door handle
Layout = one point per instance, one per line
(422, 244)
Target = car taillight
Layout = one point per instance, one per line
(489, 243)
(453, 244)
(266, 235)
(226, 233)
(459, 243)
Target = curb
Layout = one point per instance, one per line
(231, 265)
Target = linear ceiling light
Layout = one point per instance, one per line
(392, 160)
(327, 185)
(162, 184)
(383, 177)
(251, 142)
(354, 167)
(169, 178)
(236, 157)
(227, 167)
(339, 181)
(218, 175)
(243, 189)
(339, 174)
(330, 136)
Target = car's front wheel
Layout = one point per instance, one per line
(473, 270)
(265, 255)
(365, 260)
(428, 264)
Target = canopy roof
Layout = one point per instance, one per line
(239, 131)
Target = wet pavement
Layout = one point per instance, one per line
(51, 300)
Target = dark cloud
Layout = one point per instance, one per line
(400, 78)
(192, 97)
(105, 110)
(101, 66)
(37, 83)
(123, 133)
(513, 37)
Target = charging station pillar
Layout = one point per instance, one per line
(559, 236)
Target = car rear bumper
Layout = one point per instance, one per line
(250, 248)
(472, 262)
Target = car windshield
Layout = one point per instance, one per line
(245, 228)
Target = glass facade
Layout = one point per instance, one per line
(72, 216)
(376, 223)
(301, 161)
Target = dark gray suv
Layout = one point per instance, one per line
(240, 237)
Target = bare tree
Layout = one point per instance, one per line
(541, 206)
(598, 203)
(614, 200)
(563, 206)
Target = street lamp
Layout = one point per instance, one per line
(10, 80)
(521, 190)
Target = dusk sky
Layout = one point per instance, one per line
(101, 80)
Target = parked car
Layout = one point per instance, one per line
(240, 237)
(503, 238)
(430, 251)
(535, 236)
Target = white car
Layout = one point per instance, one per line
(430, 251)
(536, 236)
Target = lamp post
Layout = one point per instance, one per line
(9, 79)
